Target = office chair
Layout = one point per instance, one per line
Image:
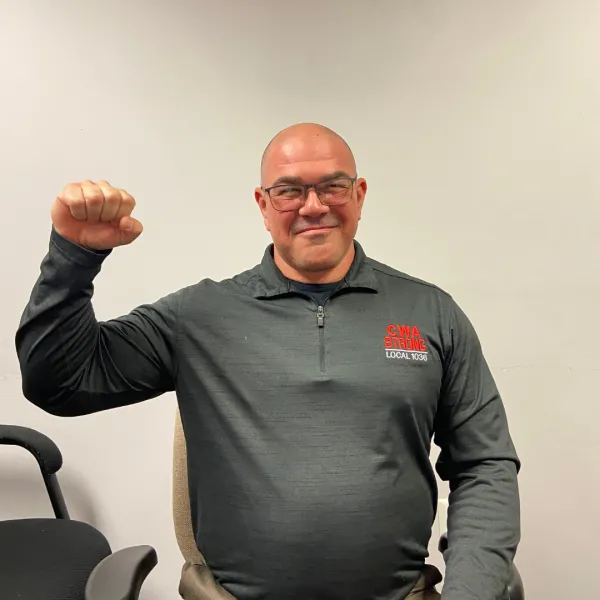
(197, 582)
(61, 558)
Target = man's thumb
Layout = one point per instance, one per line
(130, 229)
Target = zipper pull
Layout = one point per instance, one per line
(320, 316)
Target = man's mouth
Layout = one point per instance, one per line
(316, 229)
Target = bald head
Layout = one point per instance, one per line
(311, 201)
(304, 142)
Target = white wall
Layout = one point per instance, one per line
(477, 125)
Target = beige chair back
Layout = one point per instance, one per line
(197, 581)
(182, 518)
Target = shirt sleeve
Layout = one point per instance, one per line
(71, 364)
(479, 460)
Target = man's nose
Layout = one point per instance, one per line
(313, 206)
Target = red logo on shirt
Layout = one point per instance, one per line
(405, 342)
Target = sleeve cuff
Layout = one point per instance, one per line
(75, 253)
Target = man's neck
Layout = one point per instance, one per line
(332, 275)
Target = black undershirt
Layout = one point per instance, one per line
(319, 292)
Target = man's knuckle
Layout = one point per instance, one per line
(128, 200)
(94, 198)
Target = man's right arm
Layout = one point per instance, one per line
(71, 364)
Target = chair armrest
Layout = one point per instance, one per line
(516, 591)
(443, 543)
(48, 456)
(46, 452)
(120, 575)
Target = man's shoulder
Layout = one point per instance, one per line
(391, 276)
(241, 282)
(426, 299)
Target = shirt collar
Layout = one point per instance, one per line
(269, 281)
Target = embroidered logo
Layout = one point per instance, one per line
(405, 342)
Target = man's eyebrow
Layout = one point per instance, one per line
(299, 181)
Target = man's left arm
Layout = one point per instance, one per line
(480, 462)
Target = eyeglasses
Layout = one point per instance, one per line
(288, 197)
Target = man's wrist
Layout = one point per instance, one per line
(85, 257)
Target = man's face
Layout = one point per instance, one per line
(314, 239)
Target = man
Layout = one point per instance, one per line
(310, 388)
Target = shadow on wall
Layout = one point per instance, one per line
(23, 495)
(146, 594)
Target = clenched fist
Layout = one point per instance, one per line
(95, 215)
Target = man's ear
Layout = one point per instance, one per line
(361, 192)
(261, 200)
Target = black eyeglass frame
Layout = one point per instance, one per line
(306, 187)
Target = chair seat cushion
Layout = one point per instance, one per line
(48, 559)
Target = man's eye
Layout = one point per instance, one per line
(335, 187)
(289, 191)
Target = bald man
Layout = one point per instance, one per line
(310, 388)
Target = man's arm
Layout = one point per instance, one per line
(480, 462)
(70, 363)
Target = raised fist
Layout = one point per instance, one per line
(95, 215)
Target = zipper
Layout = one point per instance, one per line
(321, 326)
(320, 316)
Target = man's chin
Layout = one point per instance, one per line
(314, 257)
(319, 258)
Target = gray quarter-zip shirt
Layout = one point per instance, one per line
(308, 426)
